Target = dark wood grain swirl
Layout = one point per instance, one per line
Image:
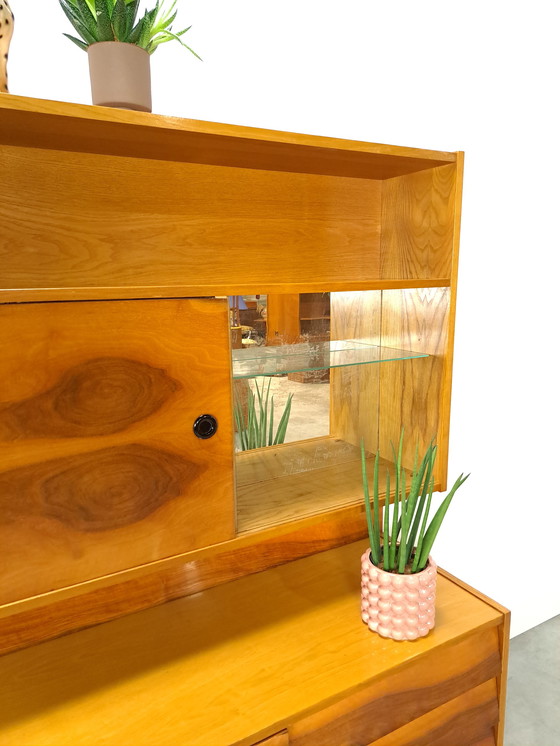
(98, 397)
(98, 491)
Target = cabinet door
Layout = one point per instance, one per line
(100, 468)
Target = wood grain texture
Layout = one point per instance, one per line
(96, 491)
(96, 397)
(232, 560)
(278, 739)
(278, 484)
(418, 219)
(282, 318)
(354, 410)
(503, 642)
(411, 390)
(467, 720)
(243, 287)
(404, 695)
(63, 126)
(211, 224)
(447, 371)
(228, 666)
(100, 470)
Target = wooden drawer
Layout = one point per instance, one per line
(100, 469)
(278, 739)
(408, 693)
(468, 720)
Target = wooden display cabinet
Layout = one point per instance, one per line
(122, 235)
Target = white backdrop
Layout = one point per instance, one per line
(479, 76)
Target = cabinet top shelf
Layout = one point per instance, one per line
(306, 356)
(56, 125)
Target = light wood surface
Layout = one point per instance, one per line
(208, 225)
(63, 126)
(354, 408)
(282, 318)
(411, 390)
(283, 483)
(278, 739)
(100, 467)
(417, 217)
(232, 665)
(241, 287)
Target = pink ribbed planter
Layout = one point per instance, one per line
(402, 607)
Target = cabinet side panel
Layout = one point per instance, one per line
(411, 390)
(82, 220)
(100, 469)
(355, 389)
(417, 224)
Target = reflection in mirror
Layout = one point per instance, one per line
(273, 407)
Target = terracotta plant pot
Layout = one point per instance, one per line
(402, 607)
(120, 75)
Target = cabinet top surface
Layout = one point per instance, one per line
(219, 666)
(66, 126)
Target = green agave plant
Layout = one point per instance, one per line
(257, 429)
(115, 20)
(404, 541)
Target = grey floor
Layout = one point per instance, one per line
(533, 694)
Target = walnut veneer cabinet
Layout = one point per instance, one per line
(122, 234)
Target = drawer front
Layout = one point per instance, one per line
(405, 695)
(278, 739)
(468, 720)
(100, 469)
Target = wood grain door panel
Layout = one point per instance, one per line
(100, 469)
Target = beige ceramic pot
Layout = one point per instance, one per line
(120, 75)
(402, 607)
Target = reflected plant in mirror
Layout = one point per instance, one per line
(255, 427)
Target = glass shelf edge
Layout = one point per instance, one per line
(280, 360)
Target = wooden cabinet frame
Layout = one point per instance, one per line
(99, 205)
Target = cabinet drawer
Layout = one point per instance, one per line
(396, 699)
(100, 469)
(278, 739)
(468, 720)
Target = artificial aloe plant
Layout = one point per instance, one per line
(257, 429)
(116, 20)
(403, 542)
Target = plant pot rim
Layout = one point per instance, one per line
(430, 564)
(120, 43)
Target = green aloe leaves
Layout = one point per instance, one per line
(405, 540)
(257, 429)
(116, 20)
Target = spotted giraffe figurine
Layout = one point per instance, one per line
(6, 31)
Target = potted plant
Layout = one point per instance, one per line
(398, 574)
(119, 47)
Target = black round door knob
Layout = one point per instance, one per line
(205, 426)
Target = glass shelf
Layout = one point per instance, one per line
(281, 359)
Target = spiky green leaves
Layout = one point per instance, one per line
(407, 538)
(116, 20)
(256, 430)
